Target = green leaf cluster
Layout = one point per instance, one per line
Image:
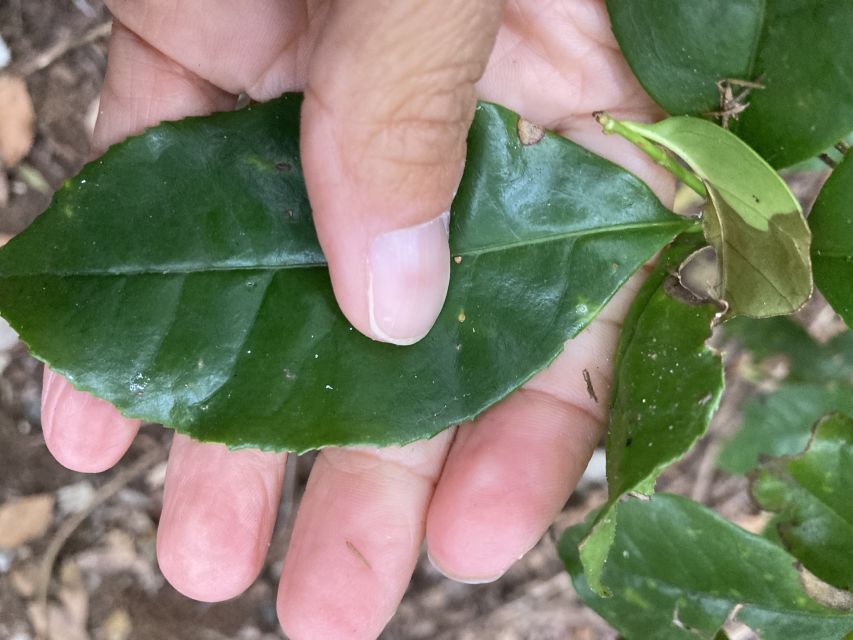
(677, 570)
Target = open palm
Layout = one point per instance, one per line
(482, 494)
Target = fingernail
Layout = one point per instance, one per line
(409, 270)
(52, 388)
(464, 580)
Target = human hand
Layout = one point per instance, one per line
(390, 89)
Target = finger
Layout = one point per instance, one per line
(389, 98)
(259, 47)
(141, 87)
(219, 509)
(510, 472)
(82, 432)
(356, 539)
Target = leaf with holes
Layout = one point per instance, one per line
(677, 571)
(811, 493)
(667, 385)
(819, 380)
(751, 218)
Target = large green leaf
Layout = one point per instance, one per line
(820, 381)
(666, 387)
(180, 278)
(831, 221)
(752, 219)
(811, 492)
(799, 49)
(677, 571)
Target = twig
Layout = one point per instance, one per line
(705, 472)
(105, 492)
(59, 49)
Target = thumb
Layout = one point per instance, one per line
(388, 102)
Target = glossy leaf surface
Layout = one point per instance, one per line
(667, 386)
(831, 221)
(677, 570)
(752, 219)
(819, 381)
(179, 277)
(811, 493)
(799, 50)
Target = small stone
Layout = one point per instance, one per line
(25, 519)
(116, 626)
(17, 120)
(74, 498)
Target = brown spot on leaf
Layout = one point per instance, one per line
(528, 132)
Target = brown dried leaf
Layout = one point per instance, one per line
(17, 119)
(25, 519)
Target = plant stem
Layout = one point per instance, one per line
(655, 152)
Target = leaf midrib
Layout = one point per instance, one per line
(174, 270)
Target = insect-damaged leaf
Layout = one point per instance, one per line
(666, 387)
(179, 277)
(811, 492)
(819, 380)
(677, 570)
(798, 50)
(831, 221)
(752, 219)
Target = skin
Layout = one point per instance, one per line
(390, 90)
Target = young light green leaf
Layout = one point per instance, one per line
(666, 387)
(752, 219)
(819, 381)
(678, 571)
(811, 492)
(798, 50)
(831, 221)
(179, 277)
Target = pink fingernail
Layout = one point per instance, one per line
(409, 271)
(465, 580)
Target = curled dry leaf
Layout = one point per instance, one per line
(17, 119)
